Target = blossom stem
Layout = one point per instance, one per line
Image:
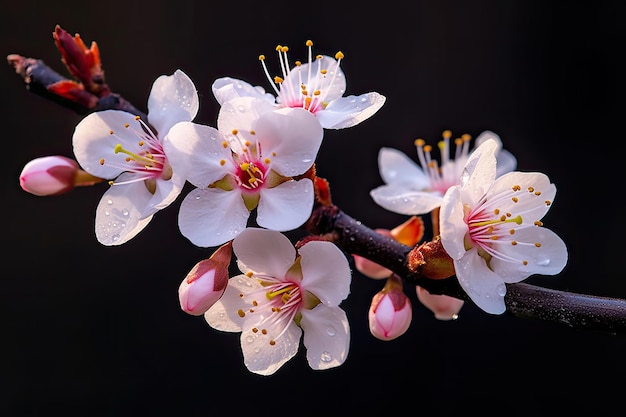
(579, 311)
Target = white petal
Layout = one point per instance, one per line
(452, 226)
(119, 213)
(264, 251)
(397, 168)
(227, 88)
(92, 141)
(173, 99)
(484, 287)
(293, 135)
(399, 199)
(263, 358)
(548, 259)
(350, 111)
(224, 314)
(532, 206)
(325, 272)
(506, 162)
(195, 152)
(166, 192)
(287, 206)
(479, 172)
(210, 217)
(241, 113)
(326, 336)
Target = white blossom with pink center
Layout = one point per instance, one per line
(318, 85)
(282, 296)
(248, 163)
(491, 227)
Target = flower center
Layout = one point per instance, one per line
(449, 173)
(146, 158)
(306, 87)
(489, 226)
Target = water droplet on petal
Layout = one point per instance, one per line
(501, 289)
(249, 339)
(331, 331)
(326, 357)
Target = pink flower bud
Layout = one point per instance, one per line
(49, 175)
(391, 312)
(206, 282)
(54, 175)
(444, 306)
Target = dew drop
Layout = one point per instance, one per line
(115, 237)
(501, 289)
(241, 109)
(256, 350)
(543, 262)
(109, 202)
(249, 339)
(331, 331)
(326, 356)
(125, 213)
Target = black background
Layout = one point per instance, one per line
(97, 331)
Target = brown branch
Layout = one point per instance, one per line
(578, 311)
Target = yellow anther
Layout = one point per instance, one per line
(318, 57)
(264, 331)
(309, 43)
(531, 189)
(447, 134)
(537, 193)
(225, 144)
(538, 223)
(323, 71)
(512, 231)
(428, 148)
(111, 182)
(255, 330)
(141, 143)
(339, 55)
(234, 131)
(261, 57)
(548, 202)
(253, 132)
(278, 80)
(304, 92)
(126, 125)
(298, 63)
(272, 342)
(267, 161)
(137, 117)
(249, 274)
(496, 211)
(273, 153)
(102, 161)
(222, 162)
(110, 132)
(537, 244)
(516, 188)
(419, 142)
(458, 141)
(241, 313)
(514, 242)
(524, 263)
(284, 49)
(247, 143)
(317, 92)
(278, 48)
(244, 166)
(515, 199)
(252, 180)
(255, 303)
(466, 137)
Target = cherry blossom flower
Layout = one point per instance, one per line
(317, 86)
(54, 175)
(248, 163)
(117, 145)
(413, 189)
(283, 295)
(492, 229)
(390, 312)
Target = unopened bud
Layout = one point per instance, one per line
(54, 175)
(443, 306)
(205, 284)
(391, 312)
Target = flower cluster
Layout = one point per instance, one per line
(259, 159)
